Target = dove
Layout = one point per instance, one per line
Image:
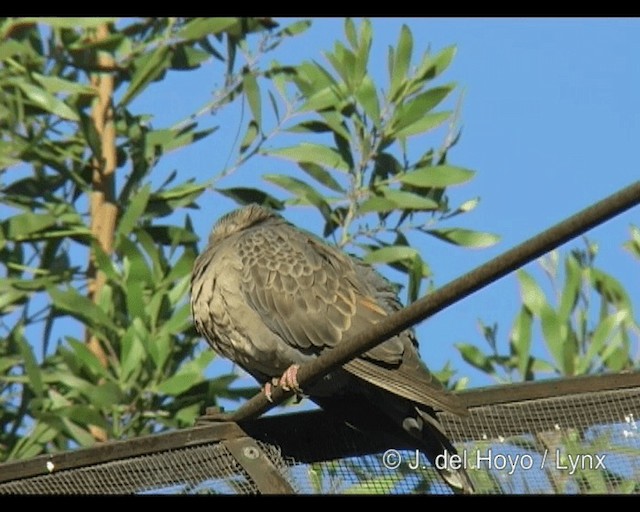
(270, 297)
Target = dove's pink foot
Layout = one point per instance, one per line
(268, 388)
(288, 382)
(289, 379)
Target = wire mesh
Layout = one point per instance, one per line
(569, 444)
(205, 469)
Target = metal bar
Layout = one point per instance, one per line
(449, 294)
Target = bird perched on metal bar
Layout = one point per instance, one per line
(270, 297)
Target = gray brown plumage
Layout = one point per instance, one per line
(268, 295)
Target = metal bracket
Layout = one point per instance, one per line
(260, 469)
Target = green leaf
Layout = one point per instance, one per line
(571, 290)
(246, 195)
(135, 265)
(521, 339)
(149, 67)
(377, 204)
(402, 61)
(391, 254)
(32, 369)
(439, 176)
(47, 101)
(83, 354)
(601, 340)
(555, 336)
(301, 190)
(252, 92)
(187, 376)
(321, 175)
(133, 212)
(295, 28)
(367, 95)
(104, 262)
(610, 289)
(22, 226)
(430, 68)
(633, 245)
(55, 84)
(249, 136)
(329, 96)
(531, 294)
(351, 33)
(186, 58)
(133, 352)
(408, 200)
(419, 106)
(80, 307)
(475, 357)
(201, 27)
(465, 237)
(72, 23)
(163, 141)
(424, 124)
(312, 153)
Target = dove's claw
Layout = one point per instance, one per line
(288, 382)
(289, 379)
(268, 388)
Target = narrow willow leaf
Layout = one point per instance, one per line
(390, 254)
(80, 307)
(419, 106)
(321, 175)
(465, 237)
(521, 339)
(367, 95)
(600, 340)
(475, 357)
(252, 92)
(408, 200)
(201, 27)
(431, 67)
(246, 195)
(439, 176)
(312, 153)
(55, 84)
(132, 355)
(249, 136)
(32, 369)
(402, 61)
(530, 292)
(555, 337)
(21, 226)
(571, 290)
(151, 66)
(47, 101)
(301, 190)
(133, 212)
(424, 124)
(72, 23)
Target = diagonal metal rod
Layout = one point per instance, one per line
(449, 294)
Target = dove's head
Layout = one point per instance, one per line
(240, 219)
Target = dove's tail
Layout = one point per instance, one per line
(427, 430)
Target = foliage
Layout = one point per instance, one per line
(60, 393)
(591, 328)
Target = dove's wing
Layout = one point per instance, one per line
(313, 296)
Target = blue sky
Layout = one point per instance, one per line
(551, 124)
